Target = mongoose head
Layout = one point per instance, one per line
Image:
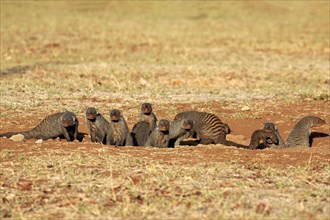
(164, 125)
(115, 115)
(68, 119)
(146, 108)
(91, 113)
(314, 121)
(187, 124)
(270, 126)
(271, 137)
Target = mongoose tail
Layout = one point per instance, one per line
(9, 134)
(53, 126)
(259, 140)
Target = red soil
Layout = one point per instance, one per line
(285, 116)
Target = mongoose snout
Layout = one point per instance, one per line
(164, 125)
(146, 108)
(188, 124)
(115, 115)
(68, 119)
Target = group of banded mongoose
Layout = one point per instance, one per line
(205, 128)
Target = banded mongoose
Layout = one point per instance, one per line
(148, 115)
(53, 126)
(300, 134)
(98, 127)
(261, 139)
(120, 135)
(140, 133)
(179, 130)
(169, 134)
(208, 128)
(159, 137)
(273, 127)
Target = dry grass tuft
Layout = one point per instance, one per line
(58, 184)
(118, 54)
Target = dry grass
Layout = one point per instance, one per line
(169, 52)
(72, 54)
(98, 185)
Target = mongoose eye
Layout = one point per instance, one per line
(146, 108)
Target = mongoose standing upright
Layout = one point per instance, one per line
(148, 115)
(120, 135)
(98, 127)
(159, 137)
(140, 133)
(300, 134)
(208, 128)
(53, 126)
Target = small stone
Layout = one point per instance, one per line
(245, 108)
(143, 82)
(10, 196)
(17, 137)
(38, 141)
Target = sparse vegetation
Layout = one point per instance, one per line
(97, 184)
(209, 56)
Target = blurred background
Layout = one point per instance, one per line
(165, 51)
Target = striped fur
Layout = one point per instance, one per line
(300, 134)
(207, 127)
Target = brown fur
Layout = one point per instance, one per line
(63, 124)
(119, 135)
(98, 127)
(148, 115)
